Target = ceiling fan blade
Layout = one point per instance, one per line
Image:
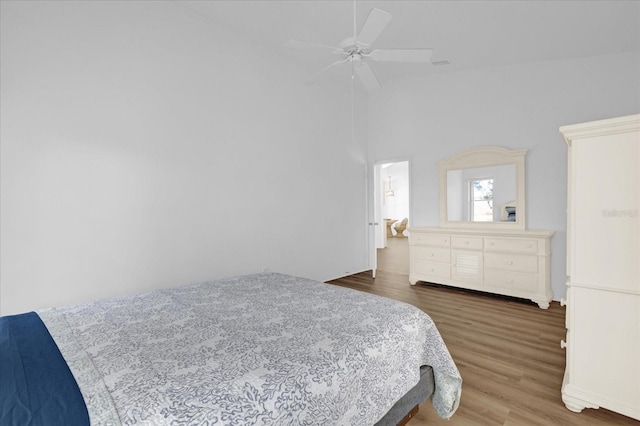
(313, 77)
(373, 26)
(367, 77)
(296, 44)
(401, 55)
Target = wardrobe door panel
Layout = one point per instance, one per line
(606, 230)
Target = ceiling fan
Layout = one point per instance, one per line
(357, 50)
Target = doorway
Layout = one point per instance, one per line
(391, 204)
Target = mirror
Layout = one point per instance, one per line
(483, 187)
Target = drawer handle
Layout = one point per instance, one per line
(510, 281)
(563, 344)
(490, 244)
(431, 254)
(466, 242)
(510, 262)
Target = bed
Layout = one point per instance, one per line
(256, 349)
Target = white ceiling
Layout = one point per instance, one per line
(469, 34)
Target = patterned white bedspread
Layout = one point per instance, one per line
(261, 349)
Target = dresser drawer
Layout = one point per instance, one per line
(424, 270)
(510, 280)
(512, 245)
(431, 254)
(468, 243)
(511, 262)
(436, 240)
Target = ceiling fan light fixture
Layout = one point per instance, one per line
(357, 51)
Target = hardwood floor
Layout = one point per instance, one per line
(507, 350)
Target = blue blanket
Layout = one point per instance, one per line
(36, 385)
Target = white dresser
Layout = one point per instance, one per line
(603, 266)
(508, 262)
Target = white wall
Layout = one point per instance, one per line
(143, 147)
(431, 118)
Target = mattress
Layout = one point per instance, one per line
(257, 349)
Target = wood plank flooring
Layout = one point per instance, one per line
(508, 351)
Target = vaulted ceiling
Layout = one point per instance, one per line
(469, 34)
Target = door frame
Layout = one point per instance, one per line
(375, 205)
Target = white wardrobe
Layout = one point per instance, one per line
(603, 266)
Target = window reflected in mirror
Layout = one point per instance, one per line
(481, 200)
(485, 194)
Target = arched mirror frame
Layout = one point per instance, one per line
(485, 156)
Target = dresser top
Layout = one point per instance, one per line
(484, 232)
